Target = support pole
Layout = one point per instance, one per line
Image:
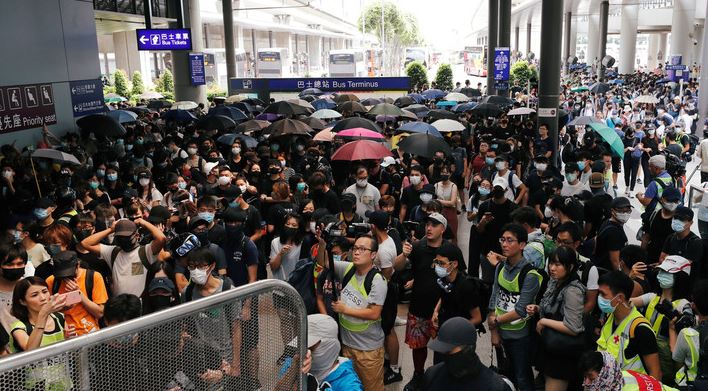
(604, 13)
(147, 10)
(703, 103)
(227, 9)
(504, 33)
(566, 41)
(493, 24)
(551, 21)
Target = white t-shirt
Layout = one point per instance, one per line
(571, 190)
(367, 198)
(37, 255)
(386, 254)
(156, 197)
(287, 261)
(515, 181)
(128, 271)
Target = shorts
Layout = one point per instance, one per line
(250, 331)
(390, 308)
(418, 332)
(616, 164)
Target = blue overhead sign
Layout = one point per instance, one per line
(322, 83)
(87, 97)
(501, 64)
(164, 39)
(678, 67)
(196, 69)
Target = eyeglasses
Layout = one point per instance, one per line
(360, 249)
(508, 240)
(440, 263)
(564, 242)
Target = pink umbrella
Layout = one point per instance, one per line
(359, 132)
(325, 135)
(361, 150)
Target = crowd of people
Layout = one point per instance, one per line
(176, 208)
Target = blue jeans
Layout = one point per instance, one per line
(518, 353)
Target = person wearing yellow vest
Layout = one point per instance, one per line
(626, 334)
(508, 319)
(685, 343)
(359, 306)
(673, 278)
(601, 372)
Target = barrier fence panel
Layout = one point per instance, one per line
(246, 338)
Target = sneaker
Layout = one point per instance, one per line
(400, 321)
(639, 181)
(391, 376)
(415, 384)
(630, 194)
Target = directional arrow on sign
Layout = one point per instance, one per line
(143, 39)
(73, 90)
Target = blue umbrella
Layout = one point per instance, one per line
(228, 111)
(228, 139)
(446, 103)
(418, 98)
(461, 108)
(245, 107)
(123, 116)
(662, 81)
(324, 103)
(179, 116)
(420, 127)
(433, 94)
(617, 81)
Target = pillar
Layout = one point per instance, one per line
(628, 37)
(681, 25)
(566, 37)
(703, 103)
(493, 24)
(516, 39)
(661, 54)
(573, 37)
(227, 9)
(528, 37)
(653, 51)
(184, 90)
(593, 51)
(550, 57)
(504, 32)
(604, 11)
(697, 44)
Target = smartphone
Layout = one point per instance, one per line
(73, 297)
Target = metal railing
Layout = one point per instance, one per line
(160, 8)
(246, 338)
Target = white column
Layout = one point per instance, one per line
(653, 51)
(628, 38)
(681, 25)
(661, 54)
(573, 36)
(593, 38)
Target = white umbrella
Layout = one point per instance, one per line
(448, 125)
(646, 99)
(326, 114)
(324, 135)
(521, 111)
(183, 105)
(457, 97)
(57, 155)
(235, 98)
(147, 95)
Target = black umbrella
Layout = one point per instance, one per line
(228, 111)
(471, 92)
(355, 122)
(159, 104)
(341, 98)
(314, 123)
(486, 110)
(309, 98)
(140, 110)
(351, 106)
(254, 102)
(228, 139)
(501, 101)
(289, 127)
(371, 101)
(253, 125)
(101, 125)
(424, 144)
(243, 106)
(216, 122)
(286, 108)
(404, 101)
(600, 88)
(311, 91)
(437, 114)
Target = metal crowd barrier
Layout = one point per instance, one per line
(188, 347)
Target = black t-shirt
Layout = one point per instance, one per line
(239, 254)
(426, 292)
(659, 229)
(217, 234)
(218, 192)
(643, 343)
(277, 213)
(690, 247)
(489, 239)
(610, 237)
(239, 167)
(95, 263)
(460, 301)
(327, 200)
(410, 198)
(253, 221)
(596, 210)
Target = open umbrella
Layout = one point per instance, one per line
(112, 97)
(359, 132)
(433, 94)
(646, 99)
(457, 97)
(179, 116)
(309, 98)
(341, 98)
(123, 116)
(437, 114)
(464, 107)
(147, 95)
(487, 110)
(418, 98)
(314, 123)
(159, 104)
(286, 108)
(268, 117)
(361, 150)
(253, 125)
(611, 137)
(140, 110)
(228, 111)
(254, 102)
(385, 118)
(243, 106)
(326, 114)
(617, 81)
(56, 155)
(419, 110)
(424, 145)
(101, 125)
(600, 88)
(352, 107)
(216, 122)
(355, 122)
(289, 127)
(521, 111)
(445, 103)
(323, 103)
(310, 91)
(583, 120)
(448, 125)
(409, 115)
(184, 105)
(302, 102)
(228, 139)
(501, 101)
(405, 101)
(324, 135)
(419, 127)
(386, 109)
(370, 102)
(579, 89)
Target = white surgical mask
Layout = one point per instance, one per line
(144, 181)
(243, 189)
(192, 151)
(623, 217)
(313, 226)
(500, 165)
(224, 180)
(362, 182)
(541, 166)
(426, 197)
(235, 151)
(415, 180)
(670, 206)
(198, 276)
(548, 212)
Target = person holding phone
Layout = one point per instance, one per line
(84, 291)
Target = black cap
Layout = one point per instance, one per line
(455, 332)
(231, 193)
(429, 188)
(45, 202)
(196, 222)
(65, 264)
(621, 203)
(348, 198)
(161, 284)
(378, 218)
(683, 213)
(234, 215)
(159, 214)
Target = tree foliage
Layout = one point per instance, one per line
(522, 72)
(120, 80)
(138, 86)
(399, 30)
(418, 74)
(167, 81)
(443, 78)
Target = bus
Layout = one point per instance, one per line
(273, 62)
(420, 54)
(215, 65)
(475, 60)
(347, 63)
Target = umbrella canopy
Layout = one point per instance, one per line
(662, 81)
(309, 98)
(437, 114)
(579, 89)
(159, 104)
(487, 110)
(140, 110)
(359, 132)
(409, 115)
(646, 99)
(289, 127)
(521, 111)
(229, 138)
(370, 102)
(501, 101)
(179, 116)
(457, 97)
(235, 99)
(326, 114)
(355, 122)
(56, 154)
(268, 117)
(112, 97)
(286, 108)
(254, 102)
(216, 122)
(562, 118)
(341, 98)
(611, 137)
(424, 145)
(386, 109)
(464, 107)
(310, 91)
(303, 103)
(446, 103)
(405, 101)
(123, 116)
(101, 125)
(323, 103)
(324, 135)
(617, 81)
(387, 99)
(361, 150)
(433, 94)
(385, 118)
(253, 125)
(147, 95)
(448, 125)
(419, 127)
(243, 106)
(584, 120)
(351, 106)
(419, 110)
(314, 123)
(184, 105)
(600, 88)
(418, 98)
(228, 111)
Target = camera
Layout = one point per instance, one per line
(674, 166)
(333, 230)
(358, 229)
(683, 319)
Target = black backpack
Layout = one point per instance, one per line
(368, 280)
(88, 284)
(302, 279)
(701, 382)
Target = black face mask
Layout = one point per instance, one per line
(13, 274)
(288, 233)
(82, 234)
(444, 177)
(159, 302)
(234, 231)
(463, 363)
(274, 170)
(203, 238)
(126, 243)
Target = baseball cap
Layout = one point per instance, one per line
(231, 193)
(196, 222)
(349, 199)
(500, 182)
(455, 332)
(387, 161)
(671, 194)
(65, 264)
(164, 284)
(429, 188)
(683, 213)
(378, 218)
(232, 215)
(676, 263)
(125, 227)
(597, 180)
(159, 214)
(621, 203)
(319, 327)
(437, 218)
(45, 202)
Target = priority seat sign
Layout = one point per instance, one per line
(164, 39)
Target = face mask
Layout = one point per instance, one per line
(441, 271)
(198, 276)
(128, 147)
(323, 356)
(192, 151)
(541, 166)
(93, 185)
(13, 274)
(548, 212)
(666, 280)
(126, 244)
(17, 236)
(462, 363)
(112, 177)
(301, 186)
(159, 302)
(53, 249)
(224, 180)
(282, 163)
(670, 206)
(300, 147)
(445, 177)
(7, 174)
(243, 188)
(41, 213)
(572, 177)
(182, 185)
(289, 232)
(651, 132)
(483, 191)
(677, 225)
(362, 182)
(426, 197)
(234, 230)
(274, 147)
(500, 165)
(415, 180)
(337, 257)
(235, 151)
(83, 234)
(489, 161)
(623, 217)
(208, 216)
(144, 181)
(605, 305)
(313, 226)
(274, 170)
(581, 166)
